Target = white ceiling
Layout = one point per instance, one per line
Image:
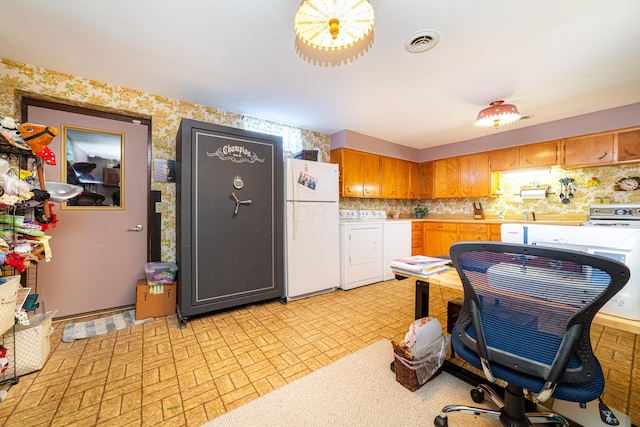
(553, 59)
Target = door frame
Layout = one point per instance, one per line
(25, 100)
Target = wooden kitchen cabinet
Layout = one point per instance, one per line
(475, 176)
(504, 159)
(446, 178)
(469, 232)
(417, 238)
(540, 154)
(438, 237)
(590, 150)
(525, 156)
(414, 181)
(495, 233)
(425, 172)
(395, 178)
(629, 145)
(359, 172)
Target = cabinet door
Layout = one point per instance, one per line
(504, 159)
(352, 173)
(403, 179)
(438, 237)
(475, 176)
(414, 181)
(541, 154)
(470, 232)
(446, 178)
(417, 238)
(494, 233)
(370, 175)
(388, 177)
(629, 145)
(426, 180)
(588, 150)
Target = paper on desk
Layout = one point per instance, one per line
(418, 264)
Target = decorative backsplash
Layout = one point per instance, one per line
(591, 186)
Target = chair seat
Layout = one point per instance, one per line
(583, 392)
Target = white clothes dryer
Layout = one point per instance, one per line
(361, 250)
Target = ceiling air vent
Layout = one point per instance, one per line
(421, 41)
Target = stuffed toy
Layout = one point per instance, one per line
(37, 137)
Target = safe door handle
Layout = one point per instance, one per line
(136, 228)
(239, 202)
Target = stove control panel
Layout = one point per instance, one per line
(615, 212)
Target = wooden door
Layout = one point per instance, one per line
(403, 179)
(540, 154)
(351, 172)
(475, 176)
(417, 238)
(446, 178)
(629, 145)
(414, 181)
(370, 175)
(388, 177)
(438, 237)
(96, 258)
(505, 159)
(426, 180)
(588, 150)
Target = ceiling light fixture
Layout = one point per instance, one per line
(498, 114)
(333, 24)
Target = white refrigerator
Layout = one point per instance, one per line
(312, 246)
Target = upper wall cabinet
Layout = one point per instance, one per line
(464, 176)
(588, 150)
(359, 172)
(629, 145)
(425, 173)
(606, 148)
(475, 175)
(395, 178)
(525, 156)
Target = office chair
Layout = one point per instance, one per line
(526, 320)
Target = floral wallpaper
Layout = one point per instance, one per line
(165, 114)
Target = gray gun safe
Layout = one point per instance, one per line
(230, 235)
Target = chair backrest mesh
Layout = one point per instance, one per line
(529, 297)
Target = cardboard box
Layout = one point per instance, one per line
(155, 301)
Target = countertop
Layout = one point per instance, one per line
(555, 219)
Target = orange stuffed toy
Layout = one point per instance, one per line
(38, 137)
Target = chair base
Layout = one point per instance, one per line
(511, 410)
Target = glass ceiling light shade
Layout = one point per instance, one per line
(333, 24)
(498, 114)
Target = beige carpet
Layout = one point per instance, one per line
(357, 390)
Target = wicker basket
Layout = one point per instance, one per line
(8, 294)
(413, 372)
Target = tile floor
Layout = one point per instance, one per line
(157, 374)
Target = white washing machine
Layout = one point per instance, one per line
(361, 248)
(396, 240)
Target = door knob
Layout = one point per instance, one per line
(136, 228)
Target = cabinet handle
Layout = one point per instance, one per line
(628, 153)
(603, 156)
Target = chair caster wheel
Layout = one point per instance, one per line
(441, 421)
(477, 395)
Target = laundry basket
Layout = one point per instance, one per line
(8, 294)
(413, 371)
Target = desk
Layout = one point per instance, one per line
(450, 279)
